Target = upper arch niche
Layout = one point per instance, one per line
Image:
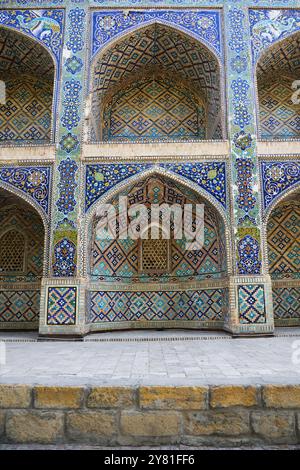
(27, 70)
(156, 83)
(277, 69)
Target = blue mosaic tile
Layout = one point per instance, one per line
(102, 177)
(35, 182)
(204, 25)
(252, 304)
(278, 177)
(62, 304)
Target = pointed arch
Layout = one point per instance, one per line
(281, 234)
(45, 220)
(152, 172)
(41, 125)
(214, 91)
(145, 24)
(285, 125)
(23, 237)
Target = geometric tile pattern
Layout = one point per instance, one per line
(279, 117)
(154, 110)
(26, 116)
(286, 302)
(102, 177)
(251, 304)
(277, 177)
(19, 306)
(284, 241)
(158, 306)
(35, 182)
(61, 308)
(282, 57)
(117, 259)
(28, 58)
(145, 54)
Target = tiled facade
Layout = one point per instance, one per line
(185, 101)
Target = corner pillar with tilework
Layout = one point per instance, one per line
(251, 310)
(63, 291)
(63, 304)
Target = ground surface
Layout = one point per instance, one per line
(152, 358)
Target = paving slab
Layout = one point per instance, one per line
(173, 357)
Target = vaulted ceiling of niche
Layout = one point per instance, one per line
(22, 55)
(151, 51)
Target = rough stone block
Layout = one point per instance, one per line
(177, 398)
(15, 396)
(58, 397)
(233, 395)
(281, 396)
(274, 425)
(205, 423)
(91, 426)
(150, 424)
(110, 397)
(41, 427)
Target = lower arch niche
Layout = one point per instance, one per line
(21, 263)
(283, 234)
(188, 289)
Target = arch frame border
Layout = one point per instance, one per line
(220, 59)
(266, 216)
(154, 170)
(56, 82)
(45, 219)
(256, 88)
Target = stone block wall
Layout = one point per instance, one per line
(115, 416)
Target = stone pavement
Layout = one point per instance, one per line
(135, 358)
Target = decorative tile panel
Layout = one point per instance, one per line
(100, 178)
(278, 177)
(19, 306)
(202, 24)
(206, 305)
(44, 25)
(117, 260)
(61, 305)
(35, 182)
(286, 303)
(252, 304)
(154, 110)
(283, 236)
(26, 115)
(279, 116)
(17, 218)
(268, 26)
